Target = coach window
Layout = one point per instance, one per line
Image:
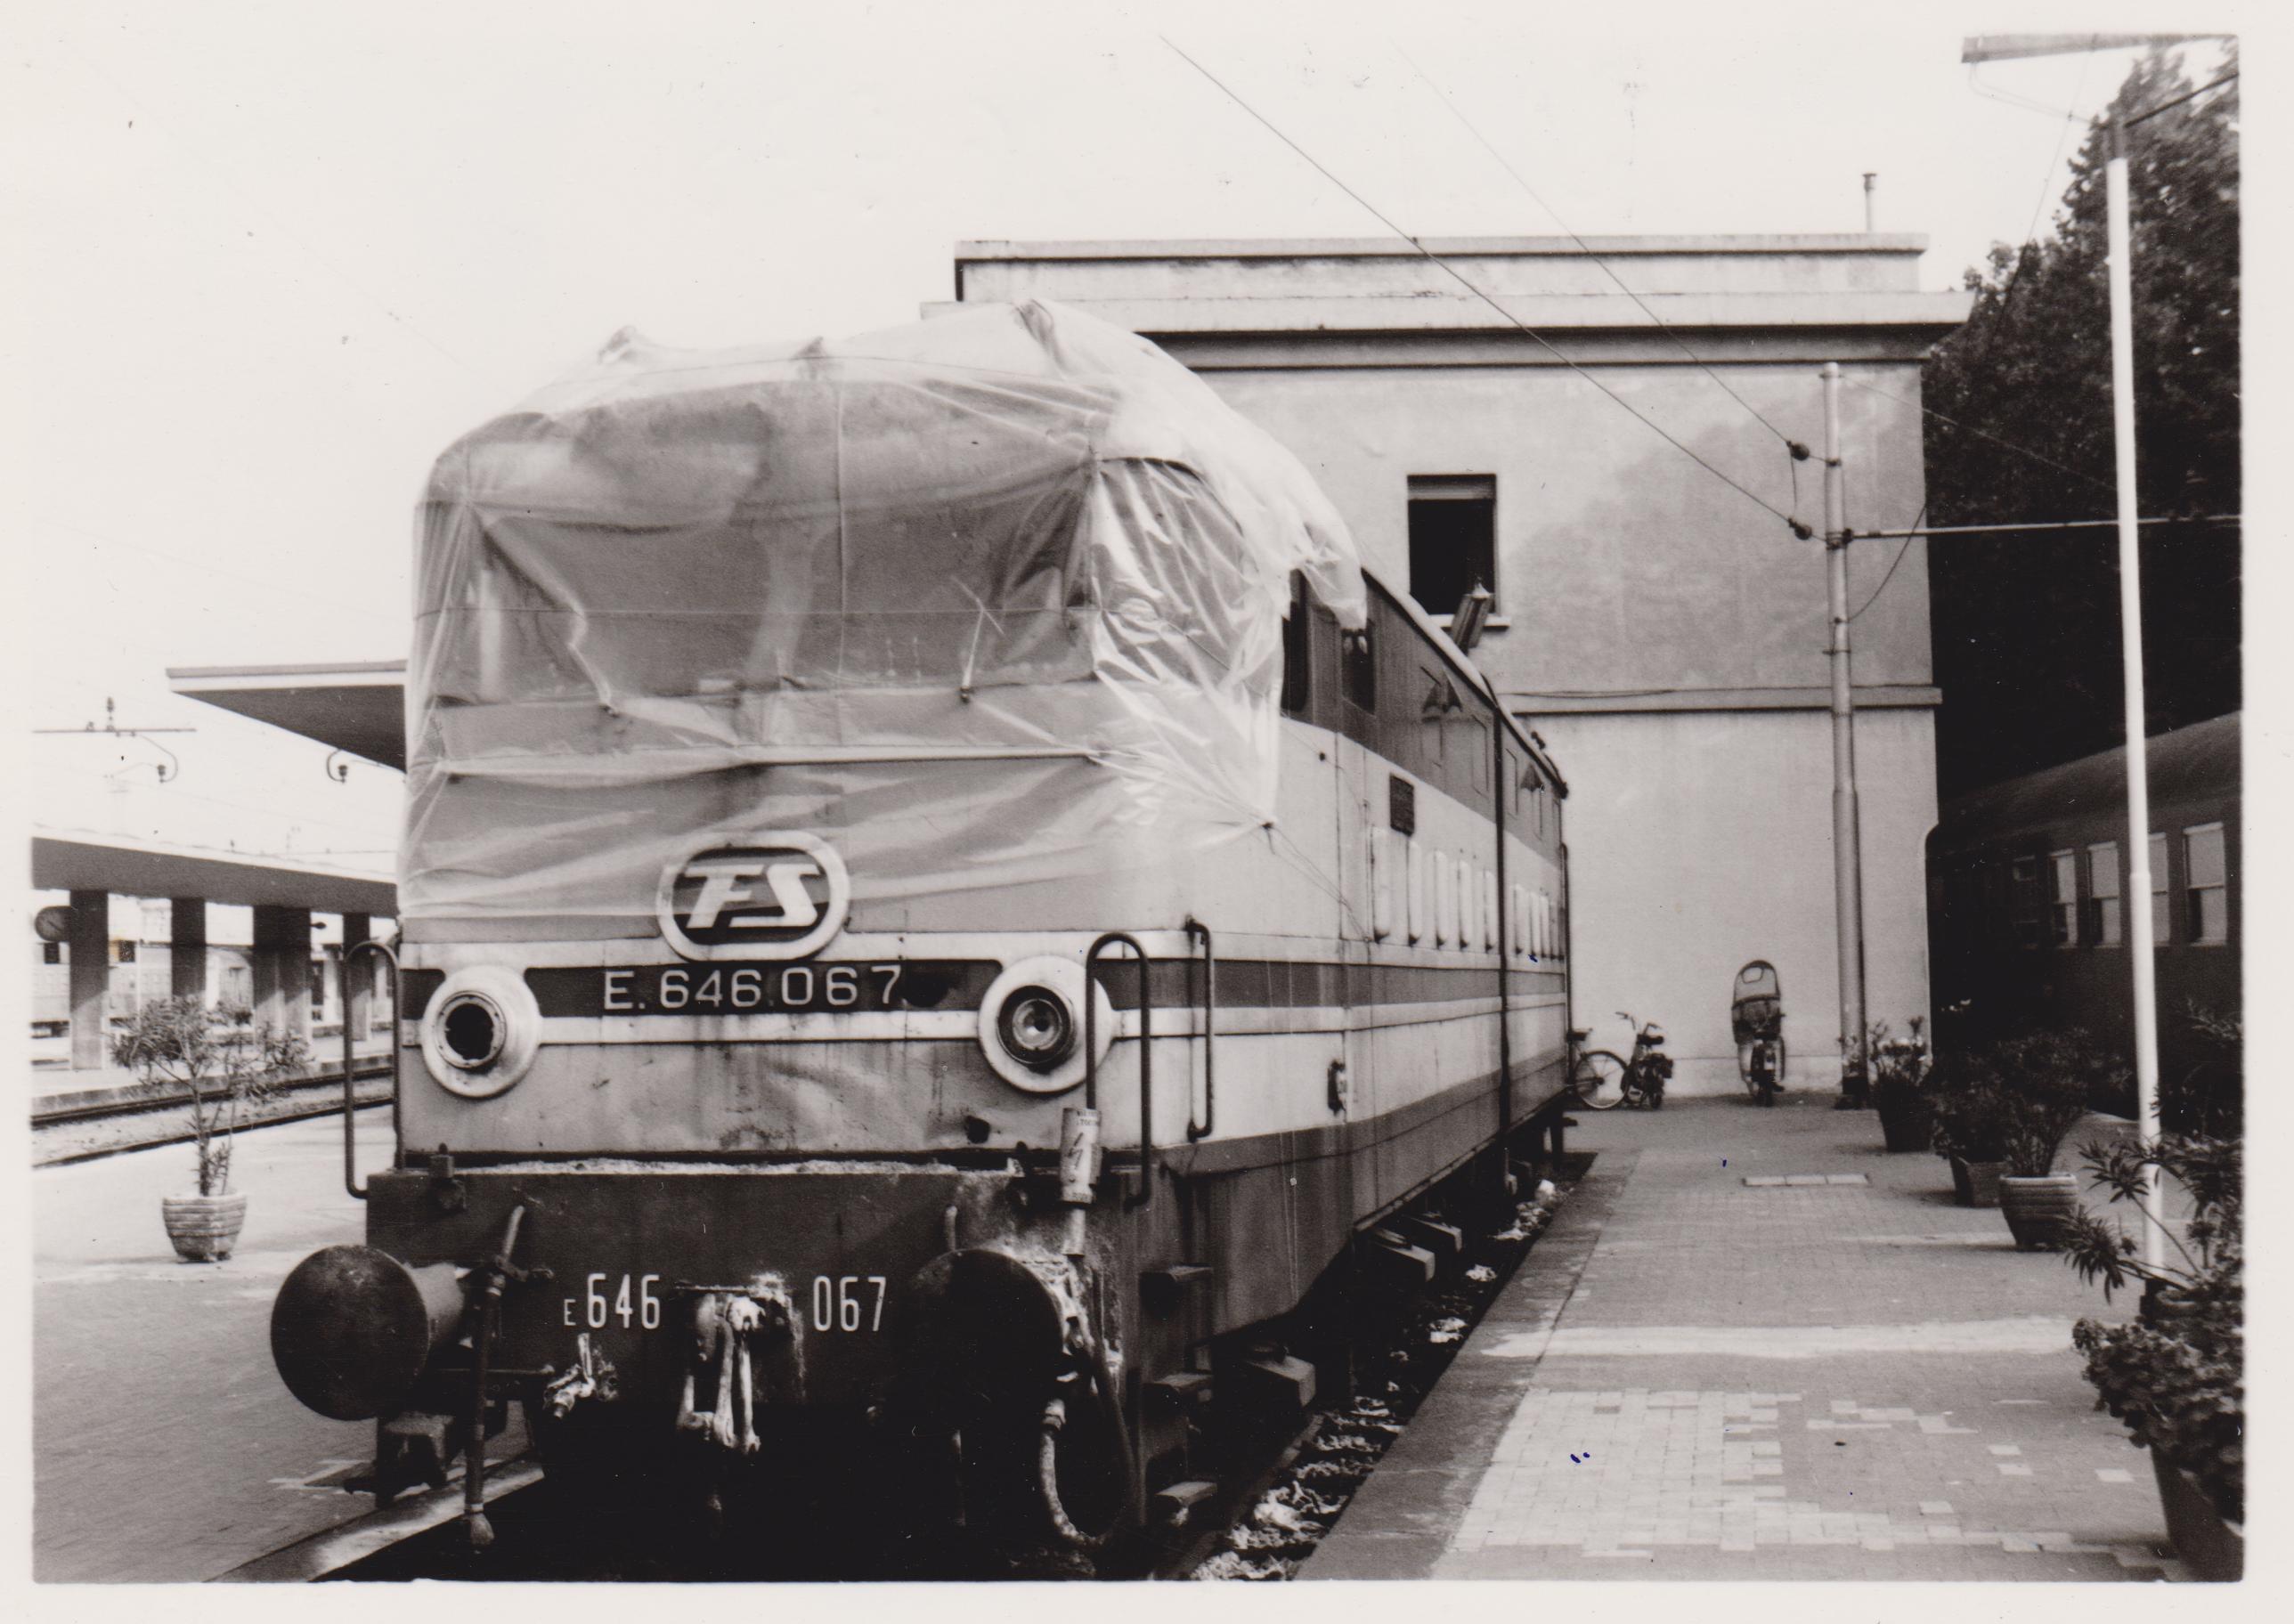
(2024, 889)
(2103, 893)
(1453, 539)
(2063, 898)
(2206, 879)
(2161, 929)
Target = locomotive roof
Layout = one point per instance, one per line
(2188, 764)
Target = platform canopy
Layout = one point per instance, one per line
(74, 860)
(359, 706)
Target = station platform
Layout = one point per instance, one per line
(1702, 1372)
(164, 1447)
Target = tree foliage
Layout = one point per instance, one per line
(2027, 639)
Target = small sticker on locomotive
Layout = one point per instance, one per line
(780, 896)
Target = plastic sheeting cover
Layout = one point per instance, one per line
(993, 597)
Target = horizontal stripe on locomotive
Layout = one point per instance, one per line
(1357, 1136)
(961, 1024)
(959, 984)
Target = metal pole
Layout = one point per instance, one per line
(1871, 217)
(1847, 858)
(2130, 620)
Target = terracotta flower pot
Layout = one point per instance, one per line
(2208, 1545)
(2036, 1209)
(1976, 1183)
(203, 1227)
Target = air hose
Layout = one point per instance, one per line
(1047, 1459)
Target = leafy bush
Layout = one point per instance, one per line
(227, 1066)
(2016, 1100)
(1970, 1110)
(2210, 1097)
(2177, 1376)
(1899, 1072)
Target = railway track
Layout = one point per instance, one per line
(54, 1145)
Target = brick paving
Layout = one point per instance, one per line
(1755, 1346)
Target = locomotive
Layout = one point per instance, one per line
(937, 896)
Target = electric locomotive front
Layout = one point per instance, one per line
(785, 726)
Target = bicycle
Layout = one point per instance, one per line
(1756, 1017)
(1602, 1082)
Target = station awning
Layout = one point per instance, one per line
(73, 860)
(357, 706)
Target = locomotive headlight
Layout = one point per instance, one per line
(1031, 1024)
(481, 1031)
(1036, 1026)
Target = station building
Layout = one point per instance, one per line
(1665, 633)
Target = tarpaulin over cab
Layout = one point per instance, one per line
(994, 597)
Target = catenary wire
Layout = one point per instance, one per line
(1521, 180)
(1462, 280)
(2100, 485)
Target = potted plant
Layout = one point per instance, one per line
(2176, 1375)
(1899, 1086)
(180, 1043)
(1969, 1109)
(2048, 1078)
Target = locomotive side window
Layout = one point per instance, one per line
(2103, 890)
(1358, 671)
(2162, 930)
(1298, 648)
(2063, 898)
(2207, 881)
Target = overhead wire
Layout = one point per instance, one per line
(2021, 450)
(1799, 529)
(1799, 450)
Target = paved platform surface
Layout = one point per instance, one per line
(165, 1448)
(1844, 1376)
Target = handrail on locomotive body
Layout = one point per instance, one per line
(350, 1103)
(1146, 1055)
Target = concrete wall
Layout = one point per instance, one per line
(1621, 565)
(1698, 841)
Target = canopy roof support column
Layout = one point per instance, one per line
(282, 969)
(90, 948)
(187, 947)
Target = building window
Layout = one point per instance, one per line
(2207, 880)
(2103, 893)
(2023, 880)
(2161, 931)
(2063, 898)
(1453, 539)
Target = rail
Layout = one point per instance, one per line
(1198, 1130)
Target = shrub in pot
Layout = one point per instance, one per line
(2176, 1375)
(2046, 1079)
(227, 1066)
(1900, 1074)
(1970, 1110)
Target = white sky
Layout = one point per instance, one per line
(264, 261)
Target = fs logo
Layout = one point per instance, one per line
(758, 897)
